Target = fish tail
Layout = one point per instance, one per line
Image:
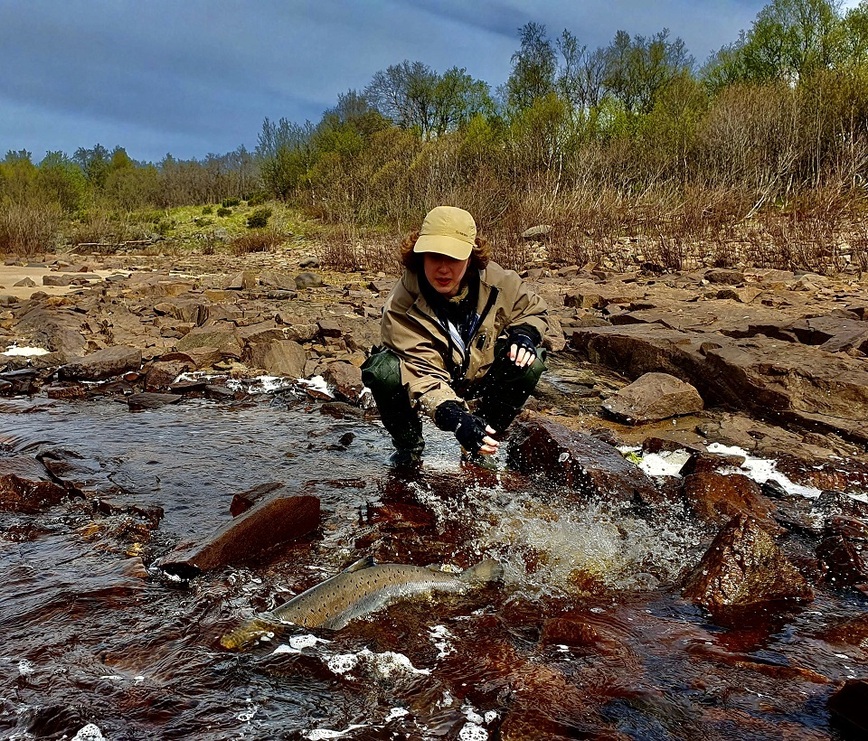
(485, 571)
(247, 633)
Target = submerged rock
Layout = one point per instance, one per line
(247, 537)
(744, 568)
(849, 706)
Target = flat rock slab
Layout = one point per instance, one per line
(102, 364)
(247, 537)
(798, 383)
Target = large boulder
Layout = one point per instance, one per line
(581, 462)
(744, 569)
(652, 397)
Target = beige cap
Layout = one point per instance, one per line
(447, 231)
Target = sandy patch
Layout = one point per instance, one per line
(12, 274)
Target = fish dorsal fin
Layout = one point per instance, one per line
(363, 563)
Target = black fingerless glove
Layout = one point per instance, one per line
(469, 430)
(525, 337)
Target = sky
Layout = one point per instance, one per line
(193, 77)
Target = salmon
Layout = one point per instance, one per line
(359, 590)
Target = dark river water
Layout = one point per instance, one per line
(586, 637)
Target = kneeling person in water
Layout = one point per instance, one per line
(457, 327)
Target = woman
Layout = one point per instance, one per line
(456, 328)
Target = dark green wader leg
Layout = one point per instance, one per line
(503, 391)
(382, 374)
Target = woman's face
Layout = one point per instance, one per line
(444, 273)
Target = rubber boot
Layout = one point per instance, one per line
(381, 373)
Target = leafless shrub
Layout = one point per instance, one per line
(28, 229)
(260, 241)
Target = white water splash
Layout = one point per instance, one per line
(321, 734)
(90, 732)
(548, 545)
(761, 470)
(26, 352)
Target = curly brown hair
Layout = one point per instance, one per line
(479, 255)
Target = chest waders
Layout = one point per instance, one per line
(501, 393)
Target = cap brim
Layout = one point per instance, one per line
(457, 249)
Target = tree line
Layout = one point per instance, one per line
(633, 135)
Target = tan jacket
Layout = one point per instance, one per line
(411, 329)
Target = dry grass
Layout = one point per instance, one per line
(26, 230)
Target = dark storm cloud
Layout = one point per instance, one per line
(200, 76)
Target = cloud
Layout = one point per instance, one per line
(200, 76)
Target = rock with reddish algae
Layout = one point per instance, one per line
(744, 568)
(573, 459)
(247, 537)
(716, 498)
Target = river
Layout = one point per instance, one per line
(586, 637)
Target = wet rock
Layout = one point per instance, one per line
(248, 537)
(102, 364)
(744, 569)
(278, 358)
(162, 373)
(541, 446)
(843, 552)
(716, 498)
(28, 494)
(22, 381)
(345, 379)
(150, 400)
(65, 391)
(653, 396)
(849, 707)
(702, 462)
(189, 387)
(244, 500)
